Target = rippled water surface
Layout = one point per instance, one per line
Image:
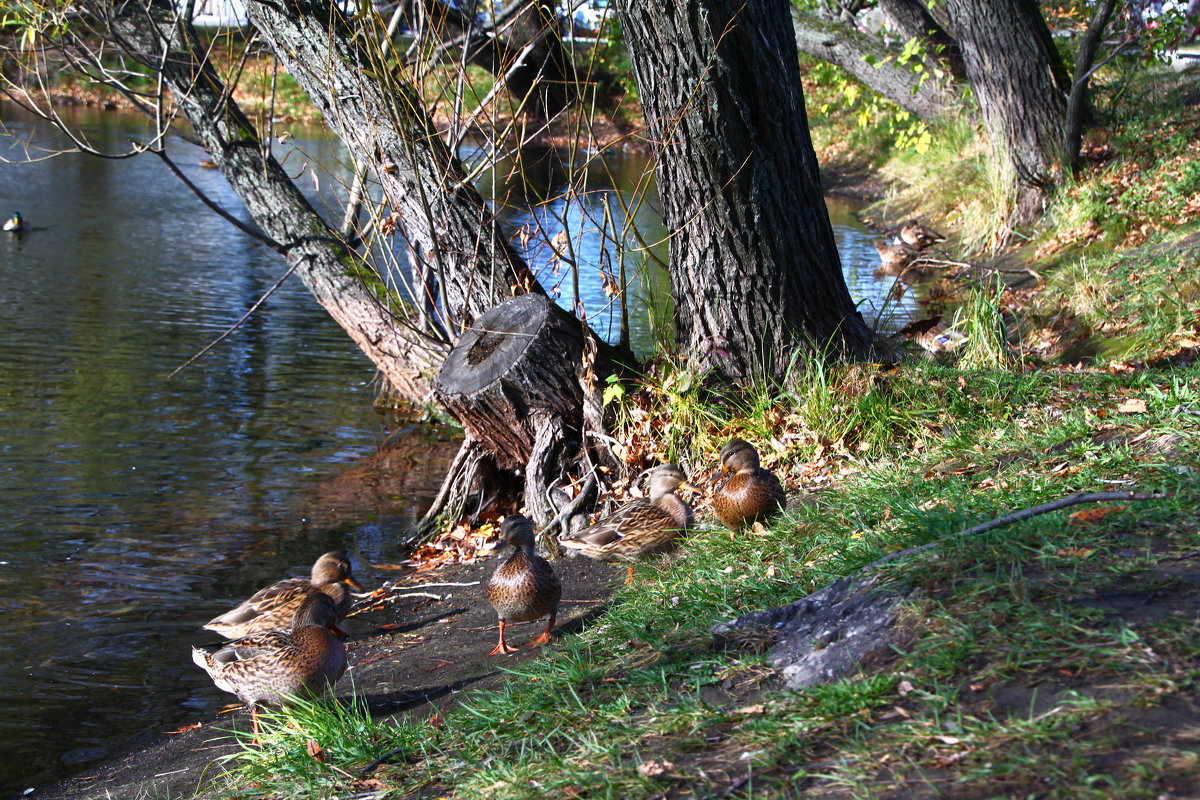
(133, 505)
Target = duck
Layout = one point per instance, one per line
(894, 254)
(272, 607)
(16, 223)
(745, 492)
(524, 588)
(934, 335)
(650, 525)
(914, 234)
(271, 666)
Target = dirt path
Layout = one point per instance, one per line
(434, 648)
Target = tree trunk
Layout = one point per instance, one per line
(1077, 100)
(524, 43)
(755, 273)
(382, 120)
(334, 274)
(1020, 83)
(912, 20)
(519, 381)
(868, 60)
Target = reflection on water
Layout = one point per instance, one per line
(137, 506)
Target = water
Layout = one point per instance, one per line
(133, 505)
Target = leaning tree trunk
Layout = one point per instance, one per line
(383, 123)
(755, 273)
(1020, 83)
(911, 19)
(347, 289)
(868, 60)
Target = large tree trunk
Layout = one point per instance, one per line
(867, 59)
(1021, 86)
(334, 274)
(755, 273)
(382, 121)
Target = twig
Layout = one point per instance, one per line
(1184, 557)
(1017, 516)
(572, 507)
(237, 324)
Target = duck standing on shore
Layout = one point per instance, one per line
(916, 235)
(271, 666)
(271, 608)
(745, 492)
(524, 587)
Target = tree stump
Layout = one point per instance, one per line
(522, 381)
(512, 374)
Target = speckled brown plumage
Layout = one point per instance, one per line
(524, 587)
(271, 666)
(745, 493)
(650, 525)
(916, 235)
(272, 608)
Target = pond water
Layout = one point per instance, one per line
(134, 505)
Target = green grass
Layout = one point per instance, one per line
(1011, 681)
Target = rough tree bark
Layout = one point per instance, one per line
(755, 273)
(1021, 86)
(382, 121)
(869, 60)
(505, 382)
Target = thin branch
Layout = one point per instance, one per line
(237, 324)
(1018, 516)
(222, 213)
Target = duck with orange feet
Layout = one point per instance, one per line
(647, 525)
(524, 587)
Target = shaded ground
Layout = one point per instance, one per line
(436, 647)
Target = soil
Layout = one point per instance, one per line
(429, 651)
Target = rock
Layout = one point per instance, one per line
(833, 632)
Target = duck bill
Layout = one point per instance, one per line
(719, 473)
(688, 486)
(353, 583)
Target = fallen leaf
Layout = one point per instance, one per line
(1087, 516)
(1080, 552)
(657, 768)
(904, 687)
(1134, 405)
(314, 749)
(191, 727)
(757, 708)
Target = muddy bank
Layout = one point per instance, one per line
(433, 650)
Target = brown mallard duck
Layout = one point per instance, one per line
(894, 254)
(934, 335)
(524, 587)
(273, 607)
(271, 666)
(745, 493)
(914, 234)
(650, 525)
